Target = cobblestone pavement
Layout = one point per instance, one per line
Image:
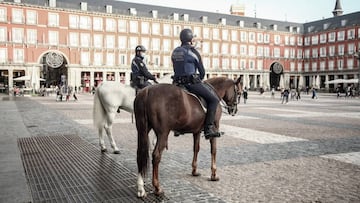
(303, 151)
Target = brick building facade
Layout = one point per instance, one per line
(82, 43)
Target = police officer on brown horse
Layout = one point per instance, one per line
(139, 72)
(189, 72)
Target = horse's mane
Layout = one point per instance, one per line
(219, 82)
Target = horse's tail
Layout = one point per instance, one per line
(142, 125)
(98, 111)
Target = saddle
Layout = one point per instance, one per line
(200, 99)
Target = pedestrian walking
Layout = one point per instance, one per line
(285, 96)
(245, 93)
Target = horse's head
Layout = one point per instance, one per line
(231, 97)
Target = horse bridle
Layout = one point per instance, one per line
(234, 100)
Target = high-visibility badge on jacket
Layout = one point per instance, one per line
(141, 64)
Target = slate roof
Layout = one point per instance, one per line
(122, 8)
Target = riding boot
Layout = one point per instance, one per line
(210, 130)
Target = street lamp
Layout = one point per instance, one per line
(357, 55)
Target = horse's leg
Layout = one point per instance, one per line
(101, 139)
(140, 184)
(156, 158)
(196, 137)
(108, 129)
(213, 160)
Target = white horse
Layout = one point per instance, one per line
(109, 97)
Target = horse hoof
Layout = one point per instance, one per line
(116, 152)
(159, 193)
(196, 174)
(214, 179)
(103, 150)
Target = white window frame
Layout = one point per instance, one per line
(225, 34)
(234, 35)
(3, 55)
(17, 16)
(145, 27)
(122, 42)
(85, 22)
(3, 15)
(17, 35)
(3, 34)
(110, 41)
(53, 37)
(74, 21)
(215, 33)
(224, 48)
(98, 24)
(73, 39)
(215, 48)
(133, 26)
(85, 40)
(155, 44)
(341, 35)
(252, 37)
(18, 55)
(167, 30)
(53, 19)
(155, 28)
(122, 26)
(98, 59)
(110, 59)
(31, 17)
(98, 41)
(85, 58)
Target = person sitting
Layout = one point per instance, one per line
(186, 63)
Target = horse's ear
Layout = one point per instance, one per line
(238, 81)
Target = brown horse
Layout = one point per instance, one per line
(166, 107)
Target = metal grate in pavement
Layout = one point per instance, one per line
(66, 168)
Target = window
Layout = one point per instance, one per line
(251, 37)
(260, 38)
(110, 25)
(242, 64)
(53, 37)
(292, 66)
(331, 50)
(215, 63)
(314, 40)
(206, 47)
(85, 40)
(286, 53)
(225, 34)
(299, 41)
(225, 48)
(225, 63)
(98, 58)
(134, 27)
(85, 22)
(206, 33)
(287, 41)
(266, 51)
(351, 34)
(167, 30)
(98, 41)
(315, 53)
(307, 53)
(122, 26)
(299, 54)
(234, 35)
(307, 41)
(156, 61)
(292, 53)
(3, 55)
(341, 35)
(155, 44)
(299, 66)
(17, 16)
(314, 66)
(206, 62)
(17, 35)
(243, 36)
(155, 28)
(260, 51)
(122, 59)
(215, 48)
(292, 41)
(167, 62)
(260, 64)
(277, 39)
(31, 17)
(134, 43)
(306, 67)
(84, 59)
(74, 39)
(243, 49)
(332, 37)
(351, 48)
(341, 49)
(340, 64)
(323, 52)
(177, 30)
(234, 49)
(331, 65)
(215, 33)
(110, 41)
(350, 63)
(18, 56)
(145, 26)
(323, 38)
(98, 24)
(3, 34)
(234, 64)
(31, 36)
(3, 15)
(145, 41)
(74, 21)
(322, 65)
(110, 59)
(122, 41)
(167, 45)
(277, 52)
(251, 50)
(53, 20)
(266, 38)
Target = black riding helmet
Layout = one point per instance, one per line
(139, 48)
(186, 35)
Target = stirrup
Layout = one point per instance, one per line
(210, 133)
(176, 133)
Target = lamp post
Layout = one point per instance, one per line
(357, 55)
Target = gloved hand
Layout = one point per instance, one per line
(156, 82)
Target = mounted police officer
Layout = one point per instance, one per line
(187, 64)
(140, 74)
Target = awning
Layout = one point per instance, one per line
(23, 78)
(338, 81)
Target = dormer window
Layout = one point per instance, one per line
(343, 22)
(132, 11)
(274, 27)
(52, 3)
(108, 8)
(326, 26)
(204, 19)
(241, 23)
(223, 21)
(154, 14)
(290, 28)
(83, 6)
(257, 25)
(186, 17)
(175, 16)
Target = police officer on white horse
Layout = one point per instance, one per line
(140, 74)
(187, 64)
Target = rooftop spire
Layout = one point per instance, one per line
(337, 10)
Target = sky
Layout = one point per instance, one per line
(300, 11)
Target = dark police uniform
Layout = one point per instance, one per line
(187, 62)
(140, 74)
